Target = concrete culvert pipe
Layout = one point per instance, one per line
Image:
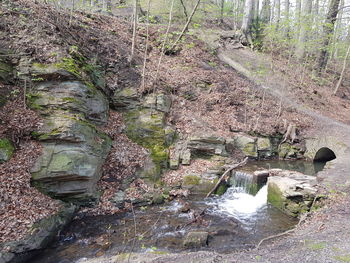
(324, 155)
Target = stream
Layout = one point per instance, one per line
(236, 220)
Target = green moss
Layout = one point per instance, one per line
(345, 258)
(6, 150)
(275, 197)
(72, 100)
(70, 65)
(221, 189)
(31, 101)
(317, 246)
(146, 128)
(61, 161)
(191, 180)
(49, 135)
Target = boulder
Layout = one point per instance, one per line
(73, 97)
(292, 192)
(73, 149)
(160, 102)
(41, 234)
(146, 127)
(6, 150)
(127, 98)
(247, 145)
(207, 145)
(198, 184)
(196, 239)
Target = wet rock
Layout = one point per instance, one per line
(292, 192)
(196, 239)
(42, 233)
(185, 208)
(6, 150)
(197, 184)
(260, 177)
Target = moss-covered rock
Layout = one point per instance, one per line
(288, 151)
(293, 194)
(198, 184)
(73, 149)
(247, 145)
(6, 71)
(6, 150)
(146, 127)
(72, 97)
(207, 145)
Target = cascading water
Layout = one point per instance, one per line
(238, 201)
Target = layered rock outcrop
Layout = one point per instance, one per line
(74, 149)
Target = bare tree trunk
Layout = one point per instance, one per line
(304, 29)
(278, 13)
(298, 16)
(222, 11)
(286, 18)
(342, 72)
(337, 29)
(248, 20)
(265, 15)
(256, 10)
(328, 30)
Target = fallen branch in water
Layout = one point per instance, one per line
(225, 173)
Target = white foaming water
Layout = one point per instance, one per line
(235, 202)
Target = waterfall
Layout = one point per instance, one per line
(242, 182)
(239, 200)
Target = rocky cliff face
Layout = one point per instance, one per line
(74, 149)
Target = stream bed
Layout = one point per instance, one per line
(236, 220)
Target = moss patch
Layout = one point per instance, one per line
(6, 150)
(345, 258)
(191, 180)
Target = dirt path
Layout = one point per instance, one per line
(323, 238)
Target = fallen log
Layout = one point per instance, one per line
(225, 173)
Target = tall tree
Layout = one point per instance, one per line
(328, 29)
(277, 12)
(286, 18)
(248, 20)
(265, 15)
(304, 28)
(256, 10)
